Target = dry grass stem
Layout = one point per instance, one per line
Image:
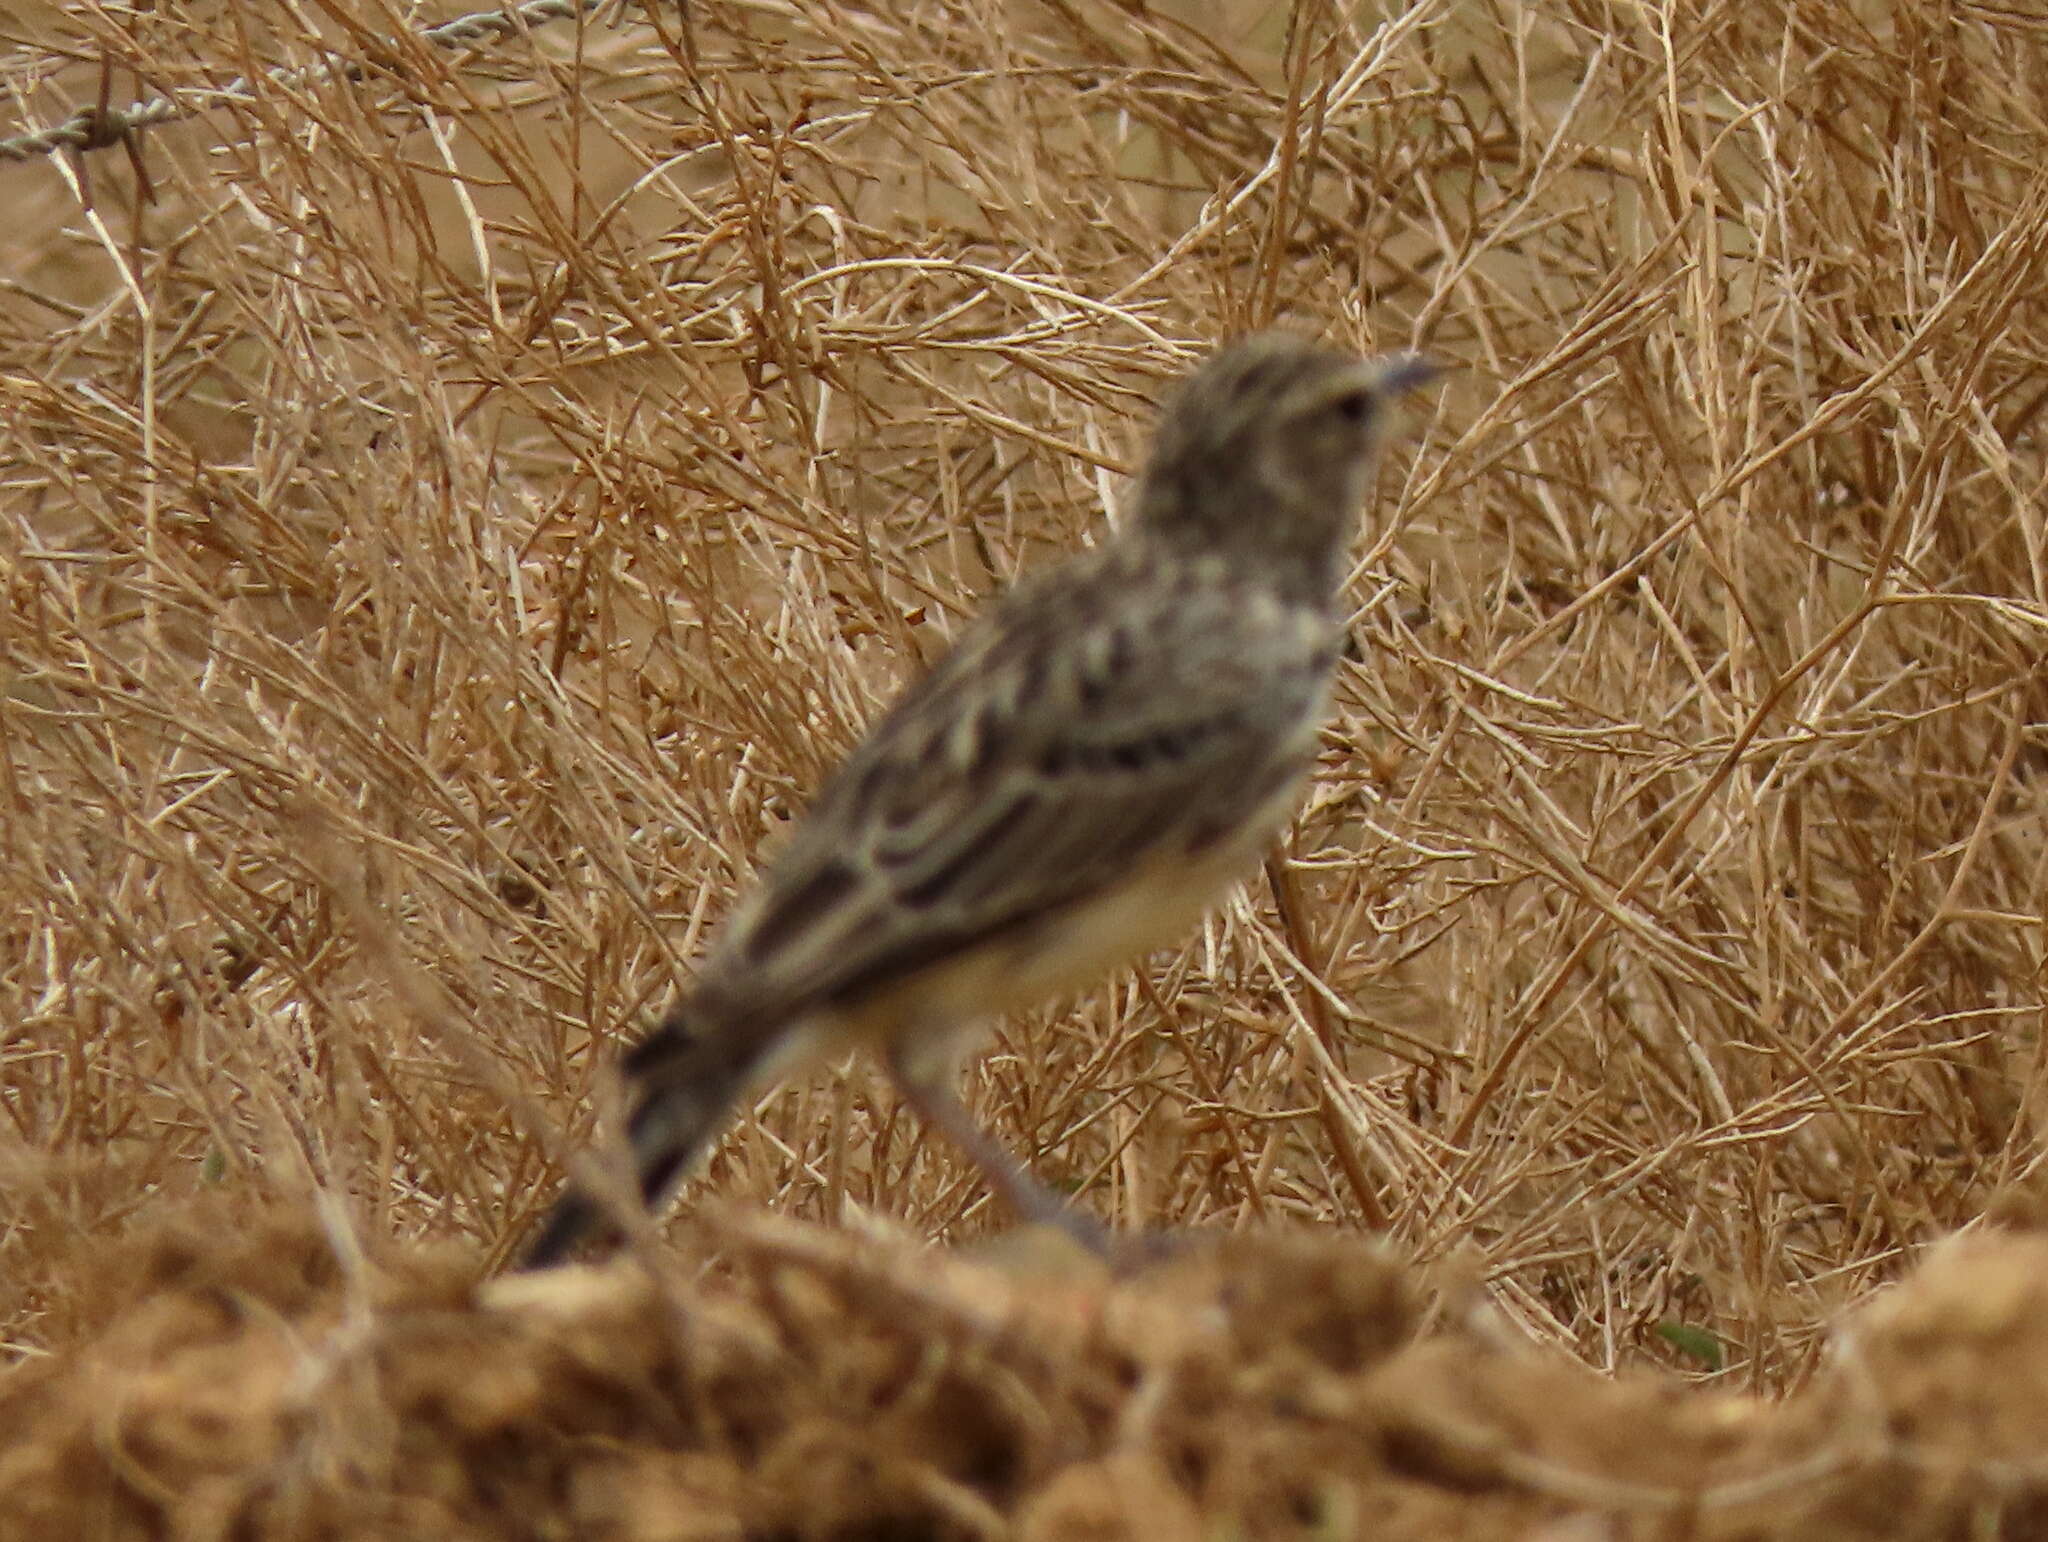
(530, 468)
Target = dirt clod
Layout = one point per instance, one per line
(810, 1385)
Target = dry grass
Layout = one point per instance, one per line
(450, 525)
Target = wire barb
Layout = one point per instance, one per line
(100, 127)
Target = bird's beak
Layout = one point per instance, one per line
(1406, 372)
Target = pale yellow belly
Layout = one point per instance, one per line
(1160, 905)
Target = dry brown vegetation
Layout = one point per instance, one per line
(451, 516)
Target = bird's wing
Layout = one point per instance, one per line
(1083, 729)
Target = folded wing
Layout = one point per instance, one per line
(1068, 740)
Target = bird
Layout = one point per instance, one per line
(1103, 754)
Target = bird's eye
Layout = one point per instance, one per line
(1354, 406)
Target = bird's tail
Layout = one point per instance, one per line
(680, 1083)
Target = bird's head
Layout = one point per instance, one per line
(1266, 449)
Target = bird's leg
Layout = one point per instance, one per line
(924, 1087)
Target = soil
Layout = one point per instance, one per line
(773, 1379)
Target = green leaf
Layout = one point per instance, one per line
(1694, 1343)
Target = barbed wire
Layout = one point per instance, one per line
(100, 128)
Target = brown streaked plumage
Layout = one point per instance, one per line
(1104, 752)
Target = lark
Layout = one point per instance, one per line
(1103, 754)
